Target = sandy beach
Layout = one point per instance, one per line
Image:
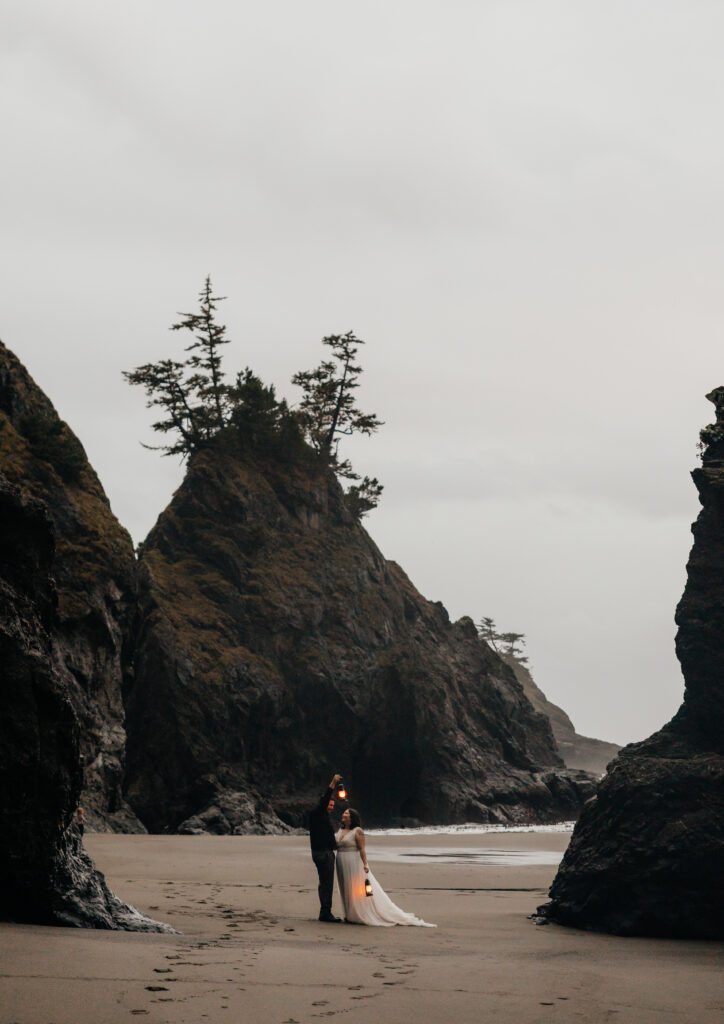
(250, 948)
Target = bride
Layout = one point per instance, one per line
(353, 872)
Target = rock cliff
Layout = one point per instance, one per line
(94, 570)
(45, 874)
(646, 855)
(577, 751)
(274, 644)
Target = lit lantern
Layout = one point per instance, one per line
(341, 791)
(368, 887)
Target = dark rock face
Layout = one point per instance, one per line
(577, 751)
(45, 875)
(94, 571)
(275, 645)
(647, 853)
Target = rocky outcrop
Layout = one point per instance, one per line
(275, 644)
(646, 855)
(45, 874)
(94, 571)
(577, 751)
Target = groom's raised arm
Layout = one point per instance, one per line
(327, 794)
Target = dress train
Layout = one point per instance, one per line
(377, 909)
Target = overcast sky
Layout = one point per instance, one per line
(517, 204)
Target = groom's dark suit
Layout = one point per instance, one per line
(323, 843)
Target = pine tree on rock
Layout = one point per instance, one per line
(328, 406)
(514, 643)
(487, 631)
(200, 408)
(205, 361)
(192, 393)
(329, 411)
(361, 498)
(166, 387)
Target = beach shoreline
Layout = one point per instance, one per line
(250, 948)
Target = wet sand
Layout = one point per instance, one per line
(252, 950)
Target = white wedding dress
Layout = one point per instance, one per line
(377, 909)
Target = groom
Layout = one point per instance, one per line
(323, 843)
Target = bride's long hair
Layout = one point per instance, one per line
(354, 818)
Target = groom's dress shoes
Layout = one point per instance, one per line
(330, 918)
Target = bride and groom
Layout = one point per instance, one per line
(363, 899)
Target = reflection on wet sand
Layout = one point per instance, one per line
(458, 855)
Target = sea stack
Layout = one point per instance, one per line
(66, 588)
(94, 581)
(647, 854)
(275, 644)
(46, 877)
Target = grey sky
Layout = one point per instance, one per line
(517, 204)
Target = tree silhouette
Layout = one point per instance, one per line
(328, 407)
(166, 387)
(205, 362)
(191, 393)
(329, 411)
(198, 406)
(511, 644)
(361, 498)
(487, 631)
(514, 643)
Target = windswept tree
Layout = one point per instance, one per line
(361, 498)
(192, 394)
(205, 359)
(511, 644)
(166, 387)
(328, 408)
(198, 406)
(487, 631)
(329, 411)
